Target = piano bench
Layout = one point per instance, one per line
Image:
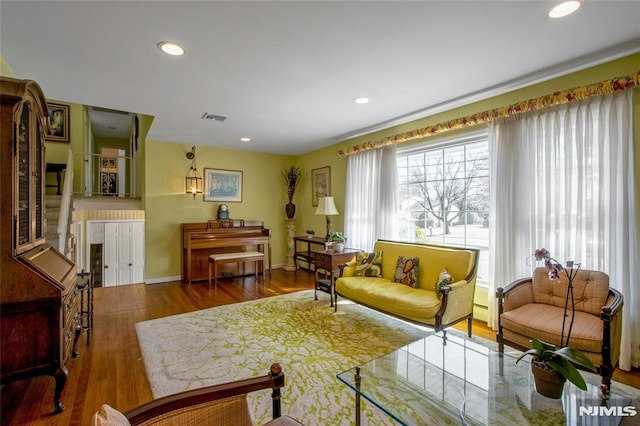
(242, 256)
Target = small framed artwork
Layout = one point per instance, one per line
(320, 184)
(58, 123)
(108, 162)
(222, 185)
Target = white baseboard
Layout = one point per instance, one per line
(179, 277)
(162, 279)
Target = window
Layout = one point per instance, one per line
(444, 195)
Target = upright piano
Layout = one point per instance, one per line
(199, 240)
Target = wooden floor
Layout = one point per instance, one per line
(111, 371)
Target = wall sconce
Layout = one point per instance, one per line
(193, 181)
(327, 207)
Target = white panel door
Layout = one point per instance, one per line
(137, 252)
(110, 255)
(123, 253)
(125, 263)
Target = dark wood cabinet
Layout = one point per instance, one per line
(39, 306)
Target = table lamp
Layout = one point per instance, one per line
(327, 207)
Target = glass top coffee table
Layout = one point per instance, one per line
(466, 381)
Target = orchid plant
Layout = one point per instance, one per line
(555, 269)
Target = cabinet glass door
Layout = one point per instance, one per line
(37, 182)
(23, 195)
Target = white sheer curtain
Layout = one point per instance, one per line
(371, 197)
(563, 179)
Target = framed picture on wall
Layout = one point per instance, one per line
(222, 185)
(58, 123)
(320, 184)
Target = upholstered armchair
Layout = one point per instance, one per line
(534, 308)
(222, 405)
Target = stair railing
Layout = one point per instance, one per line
(65, 207)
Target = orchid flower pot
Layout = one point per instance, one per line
(549, 382)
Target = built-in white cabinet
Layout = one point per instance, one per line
(122, 249)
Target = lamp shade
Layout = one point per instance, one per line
(326, 206)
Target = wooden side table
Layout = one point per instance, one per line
(329, 261)
(306, 255)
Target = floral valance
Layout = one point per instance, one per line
(547, 101)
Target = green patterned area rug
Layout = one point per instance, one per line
(311, 342)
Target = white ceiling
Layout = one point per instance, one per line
(285, 73)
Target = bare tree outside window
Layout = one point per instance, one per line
(444, 195)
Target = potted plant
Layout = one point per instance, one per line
(310, 233)
(338, 241)
(292, 176)
(551, 367)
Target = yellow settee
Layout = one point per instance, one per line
(422, 304)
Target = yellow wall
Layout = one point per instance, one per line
(328, 156)
(118, 143)
(167, 204)
(144, 124)
(307, 219)
(5, 69)
(57, 151)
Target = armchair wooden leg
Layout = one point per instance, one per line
(277, 378)
(469, 325)
(606, 369)
(499, 338)
(605, 386)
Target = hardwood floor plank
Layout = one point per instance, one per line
(111, 370)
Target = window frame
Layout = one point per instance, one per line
(442, 144)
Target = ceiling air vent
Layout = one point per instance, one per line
(207, 116)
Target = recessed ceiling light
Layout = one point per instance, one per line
(361, 100)
(170, 48)
(565, 8)
(245, 139)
